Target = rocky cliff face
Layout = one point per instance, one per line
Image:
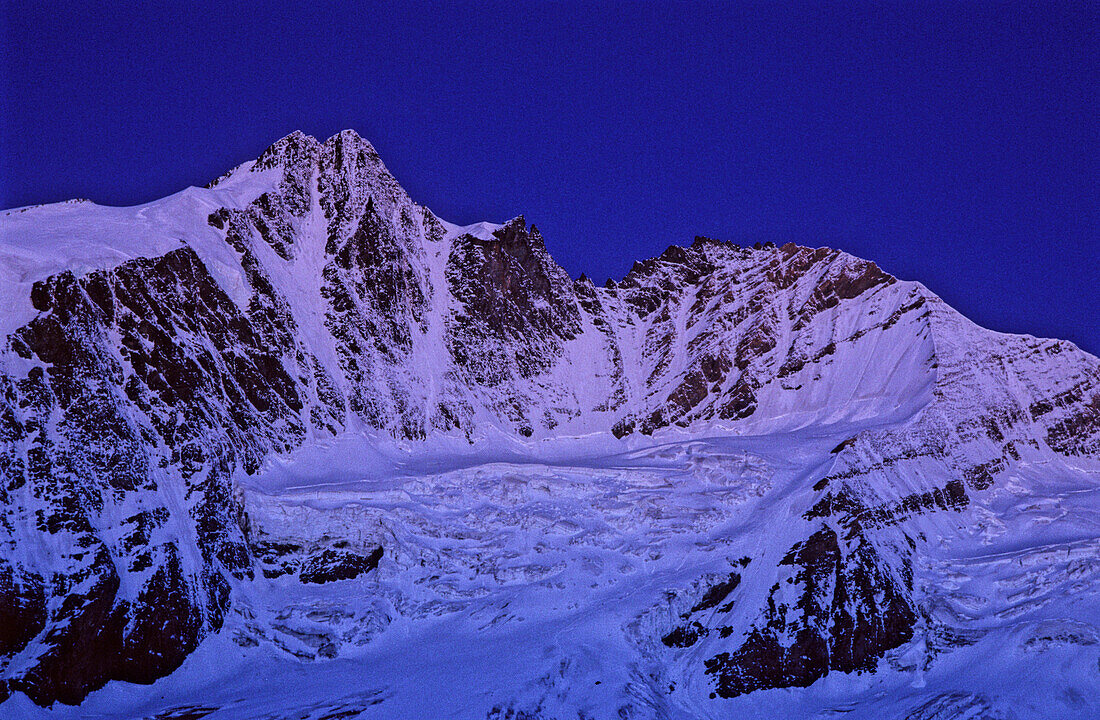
(305, 295)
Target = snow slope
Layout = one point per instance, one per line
(544, 586)
(292, 446)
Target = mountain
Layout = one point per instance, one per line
(292, 446)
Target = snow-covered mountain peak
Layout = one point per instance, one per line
(351, 142)
(481, 230)
(298, 411)
(295, 148)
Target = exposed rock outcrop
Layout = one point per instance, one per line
(305, 294)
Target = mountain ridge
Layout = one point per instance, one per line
(176, 345)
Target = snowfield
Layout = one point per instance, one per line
(292, 447)
(539, 584)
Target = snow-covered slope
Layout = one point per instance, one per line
(295, 424)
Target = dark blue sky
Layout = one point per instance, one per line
(954, 143)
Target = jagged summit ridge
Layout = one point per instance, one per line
(329, 209)
(156, 357)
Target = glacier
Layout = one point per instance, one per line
(291, 446)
